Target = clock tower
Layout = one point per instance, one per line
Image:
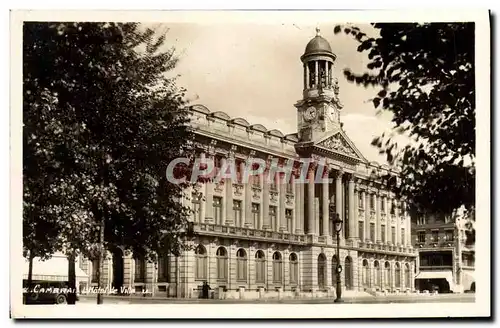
(318, 112)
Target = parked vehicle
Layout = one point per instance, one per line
(45, 292)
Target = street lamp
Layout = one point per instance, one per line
(337, 224)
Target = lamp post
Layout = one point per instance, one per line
(337, 224)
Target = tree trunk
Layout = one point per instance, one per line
(71, 279)
(29, 283)
(100, 261)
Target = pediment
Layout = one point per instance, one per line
(339, 143)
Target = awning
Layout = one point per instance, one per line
(55, 269)
(435, 275)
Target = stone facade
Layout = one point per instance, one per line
(264, 239)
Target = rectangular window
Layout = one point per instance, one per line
(382, 233)
(421, 236)
(372, 202)
(272, 216)
(217, 207)
(403, 239)
(449, 235)
(273, 183)
(435, 236)
(164, 268)
(393, 235)
(393, 208)
(256, 215)
(289, 186)
(403, 208)
(140, 269)
(196, 207)
(217, 162)
(288, 216)
(255, 180)
(237, 212)
(382, 205)
(361, 200)
(239, 166)
(361, 231)
(372, 232)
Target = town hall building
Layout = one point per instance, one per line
(260, 239)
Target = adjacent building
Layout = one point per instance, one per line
(446, 261)
(263, 239)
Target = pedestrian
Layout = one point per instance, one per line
(205, 290)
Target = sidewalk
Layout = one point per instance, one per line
(403, 298)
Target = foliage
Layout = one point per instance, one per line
(99, 146)
(425, 76)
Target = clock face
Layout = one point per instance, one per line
(310, 113)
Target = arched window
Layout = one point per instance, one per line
(294, 269)
(407, 276)
(140, 269)
(334, 270)
(241, 265)
(322, 270)
(348, 273)
(201, 262)
(397, 274)
(378, 274)
(277, 268)
(260, 267)
(387, 279)
(366, 274)
(221, 255)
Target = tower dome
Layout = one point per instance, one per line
(318, 46)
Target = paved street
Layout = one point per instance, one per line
(443, 298)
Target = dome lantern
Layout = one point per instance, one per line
(318, 60)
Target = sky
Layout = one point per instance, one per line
(254, 71)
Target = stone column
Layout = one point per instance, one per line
(325, 207)
(209, 192)
(356, 211)
(301, 214)
(338, 195)
(308, 76)
(295, 214)
(310, 203)
(248, 202)
(352, 210)
(316, 73)
(369, 221)
(327, 81)
(378, 204)
(265, 202)
(398, 226)
(408, 229)
(305, 76)
(280, 216)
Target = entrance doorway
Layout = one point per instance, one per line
(118, 269)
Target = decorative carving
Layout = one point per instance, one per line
(338, 144)
(238, 189)
(211, 147)
(232, 151)
(218, 187)
(256, 193)
(273, 196)
(289, 199)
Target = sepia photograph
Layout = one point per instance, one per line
(272, 164)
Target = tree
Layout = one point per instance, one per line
(425, 76)
(116, 121)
